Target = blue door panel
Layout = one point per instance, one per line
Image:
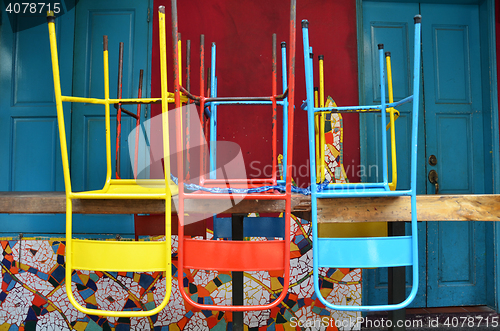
(30, 145)
(394, 37)
(121, 21)
(88, 146)
(95, 150)
(456, 167)
(32, 74)
(451, 78)
(454, 122)
(28, 105)
(459, 269)
(453, 99)
(451, 254)
(29, 141)
(30, 153)
(381, 25)
(456, 276)
(392, 31)
(119, 26)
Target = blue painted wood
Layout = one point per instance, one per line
(29, 142)
(56, 225)
(453, 132)
(121, 21)
(454, 121)
(487, 20)
(380, 26)
(28, 128)
(269, 227)
(395, 31)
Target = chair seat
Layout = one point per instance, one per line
(129, 256)
(365, 252)
(360, 191)
(130, 189)
(234, 255)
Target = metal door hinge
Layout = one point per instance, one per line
(149, 14)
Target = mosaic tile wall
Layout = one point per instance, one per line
(33, 295)
(334, 146)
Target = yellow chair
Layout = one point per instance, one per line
(118, 256)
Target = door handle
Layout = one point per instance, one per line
(433, 179)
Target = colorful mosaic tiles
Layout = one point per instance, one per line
(33, 296)
(334, 146)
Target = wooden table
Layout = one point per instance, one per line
(483, 207)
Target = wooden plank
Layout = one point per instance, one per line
(429, 208)
(55, 203)
(341, 210)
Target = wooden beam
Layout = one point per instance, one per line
(342, 210)
(55, 203)
(429, 208)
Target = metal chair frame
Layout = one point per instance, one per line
(128, 256)
(375, 251)
(235, 255)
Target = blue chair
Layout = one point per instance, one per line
(370, 252)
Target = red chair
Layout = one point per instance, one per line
(232, 255)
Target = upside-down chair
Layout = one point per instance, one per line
(365, 252)
(117, 256)
(233, 255)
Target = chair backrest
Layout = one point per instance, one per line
(237, 255)
(114, 256)
(374, 251)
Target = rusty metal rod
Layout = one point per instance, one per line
(135, 101)
(202, 105)
(187, 120)
(198, 99)
(189, 95)
(129, 113)
(119, 110)
(137, 124)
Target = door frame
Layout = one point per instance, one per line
(490, 129)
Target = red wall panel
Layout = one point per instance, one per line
(242, 31)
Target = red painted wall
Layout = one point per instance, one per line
(242, 32)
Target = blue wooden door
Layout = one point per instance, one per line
(29, 141)
(122, 21)
(453, 116)
(382, 26)
(452, 262)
